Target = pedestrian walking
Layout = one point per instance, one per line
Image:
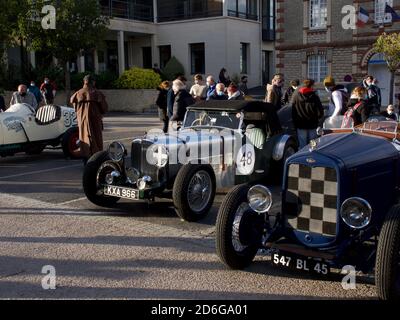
(48, 90)
(339, 97)
(35, 91)
(234, 93)
(183, 99)
(358, 110)
(162, 104)
(211, 87)
(287, 97)
(224, 77)
(274, 91)
(243, 86)
(198, 90)
(90, 106)
(23, 96)
(374, 101)
(219, 93)
(307, 113)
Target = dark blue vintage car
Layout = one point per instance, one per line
(340, 207)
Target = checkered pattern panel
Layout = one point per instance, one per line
(311, 200)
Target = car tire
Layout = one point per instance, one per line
(89, 181)
(69, 143)
(228, 214)
(387, 268)
(187, 183)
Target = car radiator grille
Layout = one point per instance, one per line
(310, 203)
(139, 161)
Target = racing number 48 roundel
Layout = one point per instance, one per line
(246, 160)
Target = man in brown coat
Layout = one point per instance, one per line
(90, 106)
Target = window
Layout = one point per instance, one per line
(317, 67)
(244, 47)
(172, 10)
(165, 55)
(245, 9)
(147, 58)
(318, 14)
(380, 15)
(268, 20)
(198, 58)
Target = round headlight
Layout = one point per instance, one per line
(157, 155)
(356, 213)
(260, 199)
(116, 151)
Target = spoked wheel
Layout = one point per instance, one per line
(70, 144)
(387, 269)
(239, 230)
(194, 192)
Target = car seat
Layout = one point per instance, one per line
(48, 114)
(256, 136)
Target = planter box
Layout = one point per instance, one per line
(135, 101)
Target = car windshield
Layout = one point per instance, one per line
(337, 123)
(203, 118)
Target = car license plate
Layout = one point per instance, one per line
(301, 263)
(124, 193)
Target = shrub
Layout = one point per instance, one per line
(55, 74)
(137, 78)
(173, 69)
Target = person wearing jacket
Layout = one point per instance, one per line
(358, 110)
(307, 113)
(274, 92)
(287, 98)
(374, 94)
(219, 93)
(162, 103)
(339, 97)
(234, 93)
(183, 99)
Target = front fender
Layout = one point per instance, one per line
(279, 149)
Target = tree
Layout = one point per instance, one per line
(389, 46)
(79, 27)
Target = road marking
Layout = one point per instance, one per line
(72, 201)
(40, 171)
(59, 211)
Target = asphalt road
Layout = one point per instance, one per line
(134, 251)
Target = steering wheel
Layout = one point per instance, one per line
(201, 120)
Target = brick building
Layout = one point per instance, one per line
(311, 41)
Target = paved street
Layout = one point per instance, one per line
(135, 251)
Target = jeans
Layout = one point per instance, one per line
(305, 136)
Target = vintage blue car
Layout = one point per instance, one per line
(340, 207)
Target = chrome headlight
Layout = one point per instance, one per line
(157, 155)
(356, 213)
(260, 199)
(116, 151)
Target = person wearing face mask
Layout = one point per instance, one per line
(274, 91)
(390, 113)
(219, 93)
(35, 91)
(48, 91)
(358, 111)
(211, 86)
(198, 90)
(23, 96)
(374, 94)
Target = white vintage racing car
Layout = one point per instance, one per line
(22, 129)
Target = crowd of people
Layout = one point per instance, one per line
(174, 98)
(32, 95)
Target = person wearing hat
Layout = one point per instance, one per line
(339, 97)
(90, 106)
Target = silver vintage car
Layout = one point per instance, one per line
(221, 144)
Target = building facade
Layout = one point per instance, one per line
(204, 35)
(313, 42)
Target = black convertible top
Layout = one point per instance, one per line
(237, 105)
(267, 109)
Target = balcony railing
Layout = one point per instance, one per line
(242, 15)
(127, 10)
(189, 15)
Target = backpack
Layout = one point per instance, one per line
(348, 119)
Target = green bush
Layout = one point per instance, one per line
(55, 74)
(104, 80)
(173, 69)
(137, 78)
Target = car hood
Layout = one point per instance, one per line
(352, 149)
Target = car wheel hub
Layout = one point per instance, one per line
(199, 191)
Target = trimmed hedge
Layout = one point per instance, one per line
(137, 78)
